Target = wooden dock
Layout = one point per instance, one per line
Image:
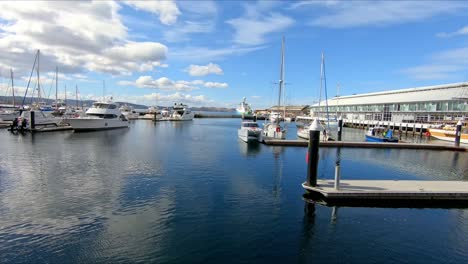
(391, 190)
(346, 144)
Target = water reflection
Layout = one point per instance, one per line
(250, 149)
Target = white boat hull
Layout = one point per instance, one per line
(248, 135)
(273, 131)
(93, 124)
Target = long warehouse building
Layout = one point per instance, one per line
(446, 103)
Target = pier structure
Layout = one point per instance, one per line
(409, 191)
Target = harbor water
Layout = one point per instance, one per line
(192, 192)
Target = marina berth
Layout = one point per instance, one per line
(101, 116)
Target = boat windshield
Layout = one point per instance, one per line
(250, 125)
(104, 106)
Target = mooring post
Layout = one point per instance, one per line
(421, 131)
(32, 121)
(313, 153)
(406, 130)
(338, 168)
(255, 118)
(414, 128)
(458, 133)
(340, 128)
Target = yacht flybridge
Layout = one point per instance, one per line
(101, 116)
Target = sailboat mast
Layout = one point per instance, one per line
(56, 87)
(281, 74)
(325, 86)
(76, 95)
(38, 81)
(12, 87)
(65, 94)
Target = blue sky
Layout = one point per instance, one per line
(208, 53)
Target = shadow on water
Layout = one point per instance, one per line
(313, 198)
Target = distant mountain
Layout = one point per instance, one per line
(19, 99)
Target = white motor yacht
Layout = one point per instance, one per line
(249, 131)
(303, 124)
(274, 117)
(40, 119)
(101, 116)
(128, 112)
(181, 112)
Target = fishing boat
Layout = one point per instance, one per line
(101, 116)
(249, 131)
(181, 112)
(273, 128)
(448, 133)
(380, 134)
(244, 110)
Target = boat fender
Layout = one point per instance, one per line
(278, 129)
(427, 134)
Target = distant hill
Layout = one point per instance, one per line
(19, 99)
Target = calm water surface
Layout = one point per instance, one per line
(193, 193)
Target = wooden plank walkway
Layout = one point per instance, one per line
(347, 144)
(391, 189)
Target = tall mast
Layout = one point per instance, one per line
(12, 87)
(38, 81)
(281, 81)
(65, 94)
(321, 81)
(76, 95)
(326, 95)
(56, 87)
(103, 90)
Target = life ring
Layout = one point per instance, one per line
(427, 134)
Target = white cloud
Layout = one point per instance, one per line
(203, 70)
(166, 9)
(215, 85)
(204, 54)
(449, 64)
(182, 32)
(75, 36)
(343, 14)
(461, 31)
(165, 83)
(253, 28)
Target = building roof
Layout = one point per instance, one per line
(446, 92)
(288, 108)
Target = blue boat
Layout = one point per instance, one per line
(380, 134)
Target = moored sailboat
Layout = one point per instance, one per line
(273, 128)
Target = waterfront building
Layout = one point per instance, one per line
(290, 110)
(436, 104)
